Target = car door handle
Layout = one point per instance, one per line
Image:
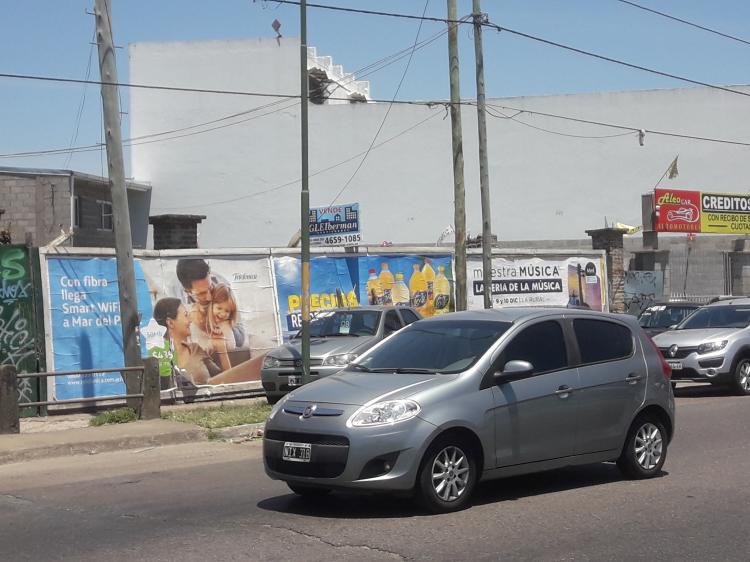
(633, 378)
(563, 391)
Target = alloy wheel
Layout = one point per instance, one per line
(450, 473)
(648, 446)
(744, 376)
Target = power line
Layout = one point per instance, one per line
(370, 12)
(515, 120)
(686, 22)
(294, 182)
(388, 111)
(79, 112)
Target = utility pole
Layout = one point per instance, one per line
(484, 177)
(120, 211)
(305, 198)
(459, 197)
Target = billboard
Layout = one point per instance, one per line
(574, 281)
(696, 211)
(336, 225)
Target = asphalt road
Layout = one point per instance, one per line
(212, 501)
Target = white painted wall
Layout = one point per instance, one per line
(544, 185)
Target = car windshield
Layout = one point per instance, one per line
(434, 347)
(662, 316)
(344, 323)
(717, 317)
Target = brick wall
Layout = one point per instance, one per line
(36, 207)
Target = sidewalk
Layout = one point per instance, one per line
(70, 434)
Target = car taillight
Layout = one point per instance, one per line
(665, 368)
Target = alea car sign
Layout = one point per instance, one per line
(696, 211)
(677, 211)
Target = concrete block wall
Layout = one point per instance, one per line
(36, 207)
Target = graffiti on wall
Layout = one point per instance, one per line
(642, 289)
(17, 335)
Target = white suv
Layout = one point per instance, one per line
(711, 345)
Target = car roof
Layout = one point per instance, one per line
(730, 301)
(515, 314)
(676, 303)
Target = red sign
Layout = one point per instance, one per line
(677, 210)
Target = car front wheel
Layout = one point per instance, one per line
(447, 476)
(645, 448)
(742, 377)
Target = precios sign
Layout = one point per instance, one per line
(696, 211)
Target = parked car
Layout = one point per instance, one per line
(659, 317)
(470, 396)
(711, 345)
(337, 337)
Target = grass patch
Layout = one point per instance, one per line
(222, 416)
(121, 415)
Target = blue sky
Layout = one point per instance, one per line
(51, 37)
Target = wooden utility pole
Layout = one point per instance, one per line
(484, 177)
(305, 198)
(120, 211)
(459, 197)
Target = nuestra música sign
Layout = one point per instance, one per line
(678, 210)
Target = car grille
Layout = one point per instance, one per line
(682, 352)
(689, 375)
(313, 438)
(329, 454)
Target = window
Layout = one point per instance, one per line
(392, 322)
(105, 215)
(76, 211)
(599, 340)
(438, 347)
(542, 345)
(330, 324)
(720, 316)
(408, 316)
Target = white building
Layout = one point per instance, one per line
(550, 178)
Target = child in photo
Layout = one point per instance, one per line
(222, 315)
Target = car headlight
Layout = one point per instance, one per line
(712, 346)
(339, 360)
(382, 413)
(271, 362)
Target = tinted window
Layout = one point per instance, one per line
(599, 340)
(722, 316)
(440, 347)
(542, 345)
(663, 316)
(392, 322)
(344, 323)
(408, 316)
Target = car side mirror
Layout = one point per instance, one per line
(513, 371)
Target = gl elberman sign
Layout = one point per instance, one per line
(335, 226)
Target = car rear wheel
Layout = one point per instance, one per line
(447, 476)
(742, 377)
(645, 448)
(308, 491)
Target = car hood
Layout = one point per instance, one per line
(691, 338)
(323, 347)
(356, 389)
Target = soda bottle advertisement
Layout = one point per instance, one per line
(423, 282)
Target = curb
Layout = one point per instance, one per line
(238, 433)
(102, 444)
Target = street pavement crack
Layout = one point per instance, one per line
(336, 545)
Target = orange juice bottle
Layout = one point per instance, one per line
(400, 292)
(418, 290)
(429, 277)
(386, 283)
(374, 290)
(442, 300)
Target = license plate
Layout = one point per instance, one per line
(675, 365)
(296, 452)
(294, 380)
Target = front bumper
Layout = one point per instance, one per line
(276, 381)
(343, 457)
(708, 367)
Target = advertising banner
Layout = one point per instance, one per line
(335, 226)
(574, 281)
(86, 324)
(695, 211)
(209, 322)
(426, 283)
(17, 318)
(331, 285)
(213, 319)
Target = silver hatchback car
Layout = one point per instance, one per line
(471, 396)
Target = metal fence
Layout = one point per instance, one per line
(146, 402)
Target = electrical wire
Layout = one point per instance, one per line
(388, 111)
(686, 22)
(515, 120)
(298, 180)
(369, 12)
(79, 112)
